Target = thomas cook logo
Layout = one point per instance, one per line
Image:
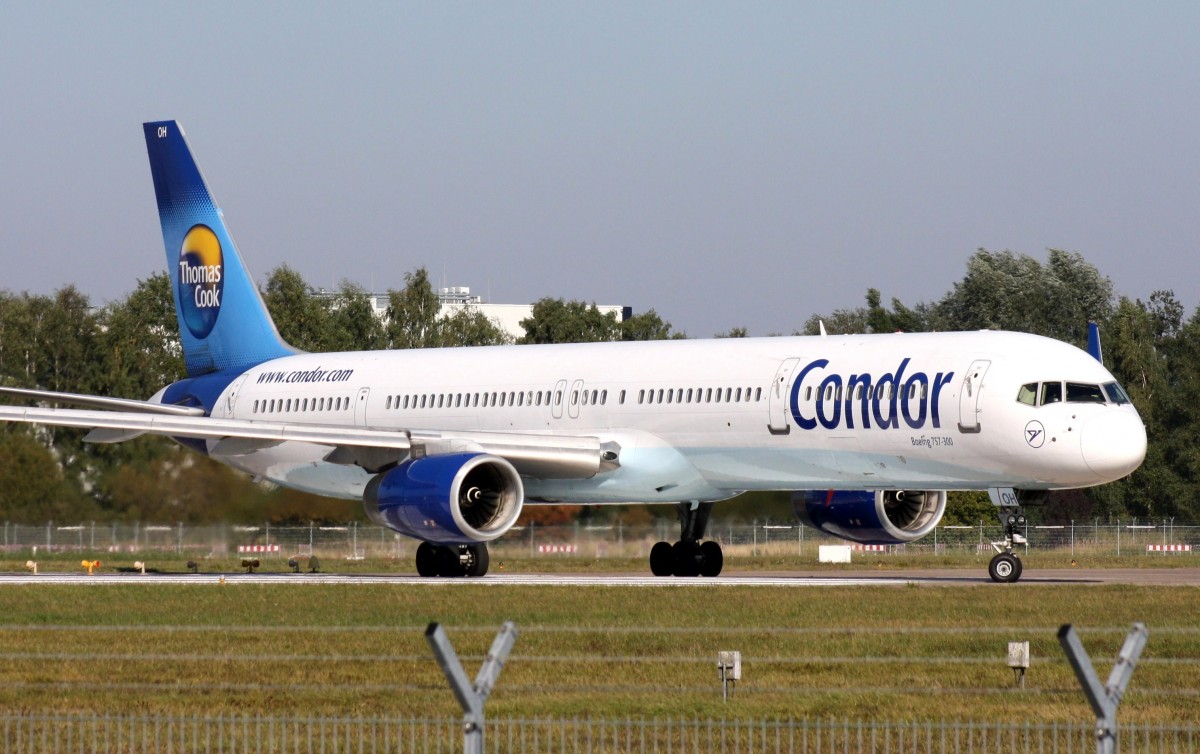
(201, 280)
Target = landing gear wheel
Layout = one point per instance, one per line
(448, 562)
(686, 558)
(477, 561)
(1004, 568)
(1020, 568)
(427, 560)
(711, 559)
(661, 561)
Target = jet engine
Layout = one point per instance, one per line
(880, 517)
(455, 498)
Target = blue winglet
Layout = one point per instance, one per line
(1094, 342)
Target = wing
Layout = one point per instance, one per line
(536, 455)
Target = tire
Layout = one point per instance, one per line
(661, 562)
(448, 562)
(478, 561)
(1004, 568)
(427, 560)
(1020, 568)
(685, 557)
(712, 560)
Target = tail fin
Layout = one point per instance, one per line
(223, 321)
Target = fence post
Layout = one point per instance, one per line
(1104, 699)
(471, 697)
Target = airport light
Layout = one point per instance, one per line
(250, 564)
(140, 567)
(314, 565)
(31, 565)
(294, 565)
(193, 566)
(90, 565)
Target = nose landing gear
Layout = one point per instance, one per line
(1005, 567)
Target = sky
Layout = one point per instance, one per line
(726, 164)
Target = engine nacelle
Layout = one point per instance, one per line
(456, 498)
(882, 517)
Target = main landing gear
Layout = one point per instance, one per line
(1006, 567)
(689, 556)
(452, 561)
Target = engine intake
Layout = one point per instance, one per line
(881, 517)
(455, 498)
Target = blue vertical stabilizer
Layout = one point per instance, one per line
(223, 322)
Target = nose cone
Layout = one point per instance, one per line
(1114, 444)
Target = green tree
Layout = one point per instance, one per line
(734, 332)
(352, 320)
(413, 313)
(302, 318)
(648, 326)
(470, 327)
(141, 351)
(32, 486)
(1006, 291)
(554, 320)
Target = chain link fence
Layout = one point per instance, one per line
(83, 732)
(753, 540)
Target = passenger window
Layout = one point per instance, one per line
(603, 397)
(574, 397)
(1028, 394)
(621, 398)
(758, 394)
(1081, 392)
(1051, 393)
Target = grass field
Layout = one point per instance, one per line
(897, 653)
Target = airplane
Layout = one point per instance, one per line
(446, 446)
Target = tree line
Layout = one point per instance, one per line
(130, 348)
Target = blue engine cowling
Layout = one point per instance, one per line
(880, 517)
(456, 498)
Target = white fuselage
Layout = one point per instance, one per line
(706, 419)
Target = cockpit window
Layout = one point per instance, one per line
(1051, 392)
(1079, 392)
(1116, 393)
(1028, 394)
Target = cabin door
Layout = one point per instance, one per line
(970, 395)
(778, 400)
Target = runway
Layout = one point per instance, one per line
(925, 577)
